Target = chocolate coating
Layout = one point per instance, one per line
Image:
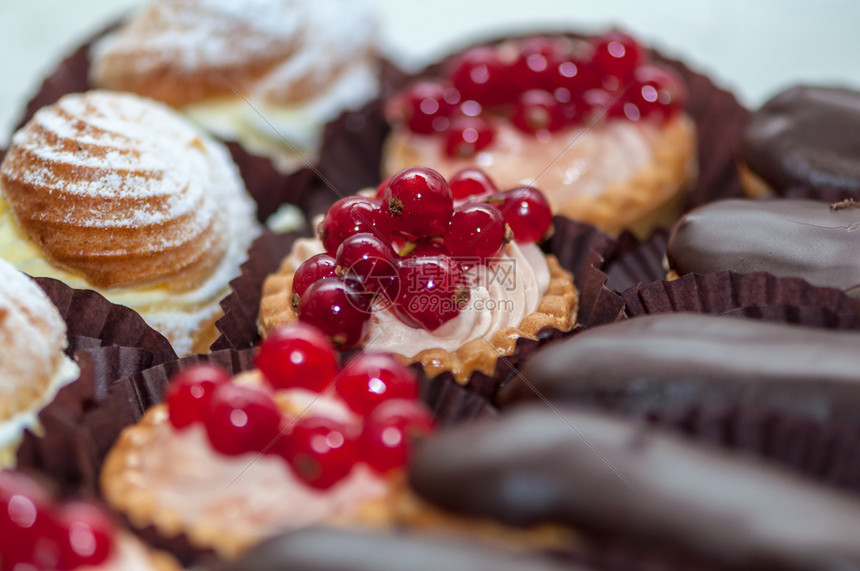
(608, 476)
(675, 360)
(808, 137)
(786, 238)
(346, 550)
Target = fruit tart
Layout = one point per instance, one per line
(39, 533)
(591, 122)
(442, 273)
(266, 73)
(121, 195)
(297, 442)
(33, 366)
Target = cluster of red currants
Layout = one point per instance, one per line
(321, 451)
(439, 229)
(540, 85)
(36, 533)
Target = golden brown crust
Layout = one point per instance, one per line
(557, 309)
(93, 182)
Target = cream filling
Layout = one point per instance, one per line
(12, 430)
(287, 134)
(247, 497)
(502, 294)
(175, 314)
(578, 161)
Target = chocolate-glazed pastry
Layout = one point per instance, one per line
(675, 360)
(804, 137)
(343, 550)
(786, 238)
(609, 476)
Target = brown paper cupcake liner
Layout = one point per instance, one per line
(90, 315)
(352, 150)
(635, 262)
(724, 291)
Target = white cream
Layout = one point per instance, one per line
(505, 292)
(12, 430)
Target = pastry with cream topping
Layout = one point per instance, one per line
(261, 72)
(445, 273)
(594, 125)
(119, 194)
(39, 533)
(33, 365)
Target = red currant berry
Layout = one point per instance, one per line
(190, 391)
(428, 248)
(658, 93)
(337, 309)
(617, 54)
(391, 432)
(352, 215)
(25, 516)
(467, 136)
(596, 103)
(315, 268)
(536, 64)
(297, 355)
(371, 379)
(424, 107)
(538, 110)
(475, 231)
(371, 261)
(320, 451)
(241, 420)
(574, 76)
(527, 212)
(432, 291)
(479, 74)
(419, 202)
(85, 537)
(471, 182)
(380, 189)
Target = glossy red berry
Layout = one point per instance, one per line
(432, 291)
(190, 391)
(471, 182)
(380, 189)
(535, 67)
(25, 517)
(371, 379)
(337, 309)
(467, 136)
(419, 202)
(84, 536)
(425, 106)
(241, 420)
(617, 54)
(315, 268)
(370, 260)
(657, 94)
(352, 215)
(573, 75)
(297, 355)
(320, 451)
(475, 231)
(527, 212)
(428, 248)
(479, 74)
(391, 432)
(538, 110)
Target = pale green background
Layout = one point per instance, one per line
(755, 48)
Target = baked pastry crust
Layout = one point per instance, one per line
(557, 309)
(127, 492)
(651, 199)
(119, 189)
